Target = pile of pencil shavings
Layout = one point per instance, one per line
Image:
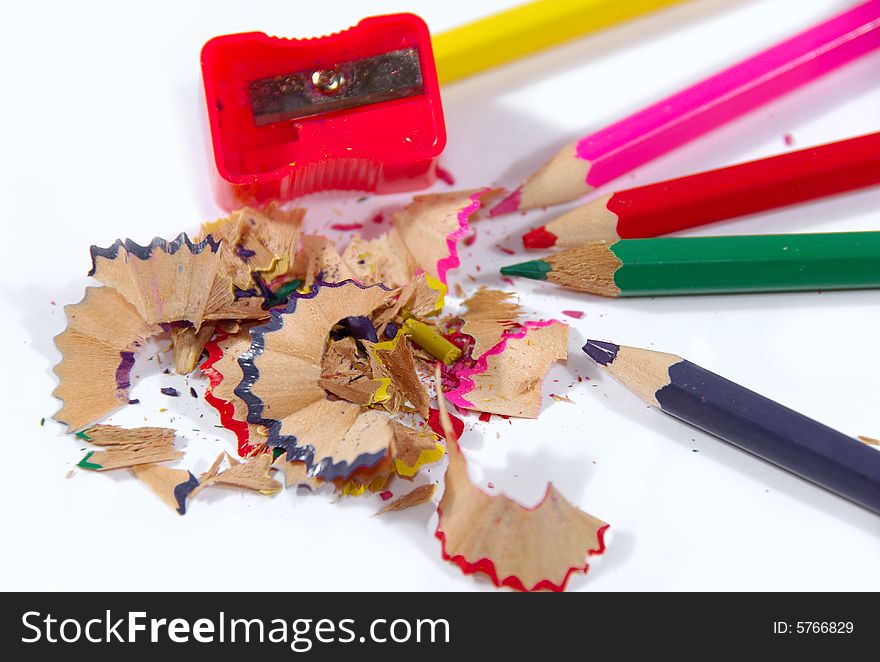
(325, 365)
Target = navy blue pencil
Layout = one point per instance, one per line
(756, 424)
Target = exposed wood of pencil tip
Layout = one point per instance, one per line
(562, 178)
(588, 268)
(592, 221)
(643, 371)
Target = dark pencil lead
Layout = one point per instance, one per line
(601, 351)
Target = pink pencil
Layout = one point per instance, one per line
(615, 150)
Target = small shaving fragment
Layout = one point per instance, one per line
(187, 345)
(421, 297)
(394, 359)
(173, 486)
(296, 474)
(128, 447)
(385, 259)
(319, 260)
(412, 449)
(869, 441)
(418, 496)
(259, 246)
(250, 475)
(114, 435)
(348, 375)
(561, 398)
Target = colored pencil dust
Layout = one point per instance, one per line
(619, 148)
(715, 195)
(713, 265)
(790, 440)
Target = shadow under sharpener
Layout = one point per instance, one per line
(359, 109)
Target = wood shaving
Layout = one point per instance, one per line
(348, 375)
(257, 242)
(250, 475)
(128, 447)
(489, 314)
(187, 345)
(524, 548)
(511, 382)
(418, 496)
(296, 474)
(164, 281)
(97, 349)
(399, 366)
(172, 486)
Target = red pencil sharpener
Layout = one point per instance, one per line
(358, 109)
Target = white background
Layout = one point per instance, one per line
(102, 135)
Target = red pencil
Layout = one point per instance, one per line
(715, 195)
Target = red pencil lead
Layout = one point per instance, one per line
(539, 238)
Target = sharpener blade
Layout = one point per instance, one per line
(392, 75)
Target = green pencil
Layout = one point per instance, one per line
(706, 265)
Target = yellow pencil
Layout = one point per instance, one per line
(525, 29)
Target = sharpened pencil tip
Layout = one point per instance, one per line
(539, 238)
(601, 352)
(534, 269)
(509, 205)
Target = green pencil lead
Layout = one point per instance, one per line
(534, 269)
(83, 435)
(85, 464)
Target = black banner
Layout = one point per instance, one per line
(398, 626)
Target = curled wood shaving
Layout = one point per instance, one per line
(289, 366)
(410, 451)
(97, 353)
(224, 374)
(164, 281)
(525, 548)
(431, 226)
(508, 382)
(283, 381)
